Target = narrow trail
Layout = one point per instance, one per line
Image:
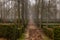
(32, 32)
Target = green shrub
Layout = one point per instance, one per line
(49, 33)
(57, 33)
(10, 32)
(51, 26)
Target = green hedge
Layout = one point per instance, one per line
(49, 33)
(57, 33)
(11, 32)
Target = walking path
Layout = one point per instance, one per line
(33, 33)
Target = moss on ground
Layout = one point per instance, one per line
(22, 37)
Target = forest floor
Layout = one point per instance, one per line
(3, 39)
(34, 33)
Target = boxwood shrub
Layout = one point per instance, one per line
(57, 33)
(49, 33)
(10, 32)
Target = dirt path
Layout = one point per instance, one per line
(32, 32)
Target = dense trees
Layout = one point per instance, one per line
(9, 9)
